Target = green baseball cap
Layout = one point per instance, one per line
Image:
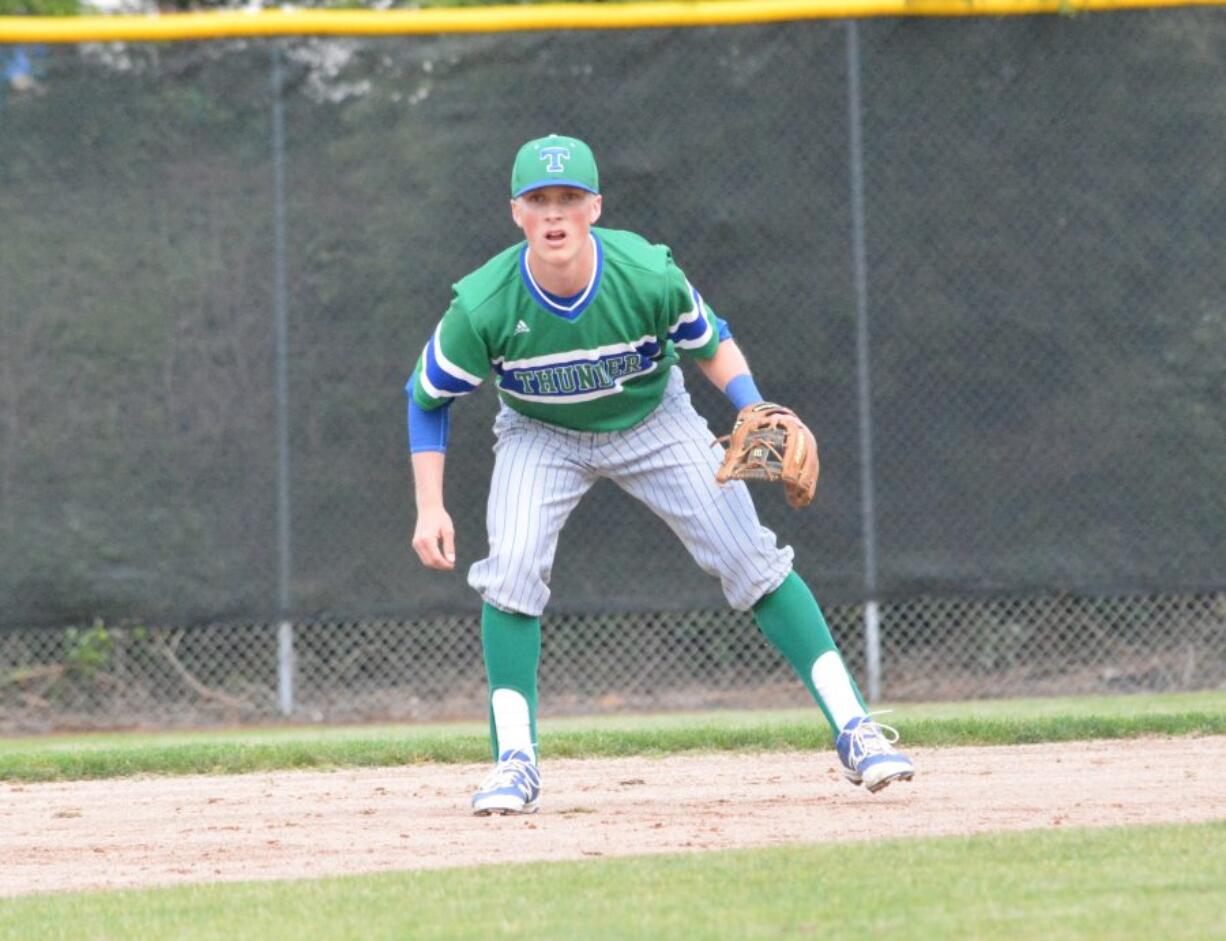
(554, 161)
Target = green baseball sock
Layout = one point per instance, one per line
(512, 646)
(793, 622)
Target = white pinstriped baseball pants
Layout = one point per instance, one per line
(541, 471)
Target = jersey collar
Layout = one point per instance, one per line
(571, 310)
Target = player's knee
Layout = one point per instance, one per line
(527, 604)
(522, 593)
(745, 584)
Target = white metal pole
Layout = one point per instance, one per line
(872, 630)
(285, 667)
(285, 630)
(872, 650)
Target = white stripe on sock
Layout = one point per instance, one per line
(834, 686)
(512, 722)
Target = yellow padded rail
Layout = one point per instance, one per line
(550, 16)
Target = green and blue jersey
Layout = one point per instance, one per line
(598, 361)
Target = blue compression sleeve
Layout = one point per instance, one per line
(725, 331)
(742, 390)
(428, 431)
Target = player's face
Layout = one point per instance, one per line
(555, 220)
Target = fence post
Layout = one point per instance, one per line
(285, 667)
(872, 633)
(285, 630)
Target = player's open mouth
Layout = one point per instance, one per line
(557, 235)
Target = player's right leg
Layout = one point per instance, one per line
(512, 647)
(537, 481)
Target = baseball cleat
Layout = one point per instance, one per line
(866, 750)
(513, 787)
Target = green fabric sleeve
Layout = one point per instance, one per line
(691, 323)
(454, 361)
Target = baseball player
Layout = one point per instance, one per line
(583, 328)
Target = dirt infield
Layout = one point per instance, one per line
(160, 831)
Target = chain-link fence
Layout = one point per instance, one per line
(980, 257)
(102, 676)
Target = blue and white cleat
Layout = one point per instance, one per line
(513, 787)
(865, 747)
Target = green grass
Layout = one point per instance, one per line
(1004, 722)
(1143, 883)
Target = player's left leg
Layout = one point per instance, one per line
(793, 622)
(668, 463)
(791, 619)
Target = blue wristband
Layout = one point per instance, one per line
(428, 430)
(742, 391)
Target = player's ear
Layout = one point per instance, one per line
(593, 211)
(515, 213)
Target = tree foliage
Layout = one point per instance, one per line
(40, 7)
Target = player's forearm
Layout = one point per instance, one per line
(428, 478)
(727, 363)
(729, 372)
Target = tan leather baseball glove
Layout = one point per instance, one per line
(769, 442)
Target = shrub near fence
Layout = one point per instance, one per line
(119, 676)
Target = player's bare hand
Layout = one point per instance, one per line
(434, 538)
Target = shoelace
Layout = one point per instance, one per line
(871, 737)
(513, 773)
